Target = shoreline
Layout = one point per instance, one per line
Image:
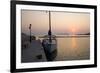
(67, 36)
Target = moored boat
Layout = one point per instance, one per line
(50, 48)
(50, 43)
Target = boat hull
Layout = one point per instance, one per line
(50, 50)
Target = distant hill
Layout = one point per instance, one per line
(87, 34)
(84, 34)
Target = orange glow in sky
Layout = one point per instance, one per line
(73, 30)
(61, 22)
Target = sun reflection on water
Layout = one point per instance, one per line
(74, 43)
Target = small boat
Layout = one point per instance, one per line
(50, 48)
(50, 43)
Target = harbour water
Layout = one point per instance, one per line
(72, 48)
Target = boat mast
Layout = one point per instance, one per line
(49, 32)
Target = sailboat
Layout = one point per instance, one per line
(50, 43)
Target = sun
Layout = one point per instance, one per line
(73, 31)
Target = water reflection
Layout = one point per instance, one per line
(73, 48)
(74, 44)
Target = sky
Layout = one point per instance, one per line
(62, 23)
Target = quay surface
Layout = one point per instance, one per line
(34, 53)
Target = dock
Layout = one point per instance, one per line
(34, 53)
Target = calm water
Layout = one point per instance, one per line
(73, 48)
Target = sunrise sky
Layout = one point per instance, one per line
(61, 22)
